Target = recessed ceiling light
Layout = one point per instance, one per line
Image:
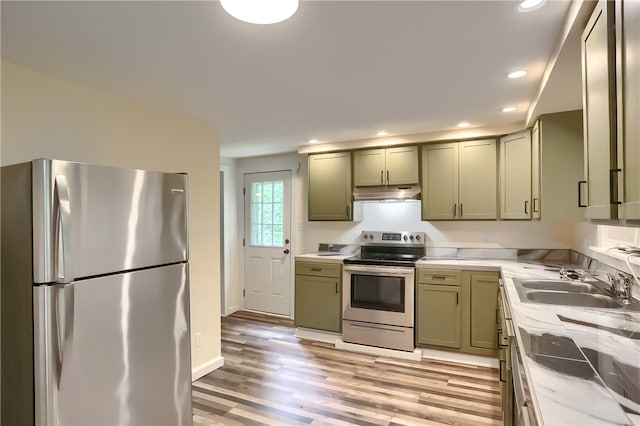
(381, 133)
(530, 5)
(508, 109)
(463, 124)
(260, 11)
(517, 74)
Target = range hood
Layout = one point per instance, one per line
(388, 192)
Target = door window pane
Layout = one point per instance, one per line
(267, 214)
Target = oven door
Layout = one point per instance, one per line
(379, 294)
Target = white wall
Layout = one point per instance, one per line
(45, 117)
(232, 283)
(597, 240)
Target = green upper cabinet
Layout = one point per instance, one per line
(386, 166)
(402, 165)
(478, 178)
(440, 181)
(556, 170)
(628, 106)
(459, 180)
(484, 290)
(330, 194)
(515, 175)
(598, 82)
(535, 171)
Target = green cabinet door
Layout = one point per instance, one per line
(598, 82)
(369, 167)
(318, 303)
(330, 192)
(438, 315)
(477, 180)
(386, 166)
(401, 165)
(483, 305)
(628, 80)
(440, 181)
(515, 175)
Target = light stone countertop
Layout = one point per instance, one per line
(315, 257)
(565, 387)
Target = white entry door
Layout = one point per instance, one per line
(267, 232)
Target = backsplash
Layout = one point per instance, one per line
(406, 216)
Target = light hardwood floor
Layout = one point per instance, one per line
(271, 377)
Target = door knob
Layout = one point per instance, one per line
(286, 251)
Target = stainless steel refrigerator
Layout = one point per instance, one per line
(94, 296)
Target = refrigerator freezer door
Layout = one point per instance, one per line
(91, 220)
(114, 350)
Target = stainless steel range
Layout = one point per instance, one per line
(379, 288)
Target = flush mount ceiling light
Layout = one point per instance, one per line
(530, 5)
(381, 133)
(508, 109)
(312, 141)
(517, 74)
(260, 11)
(463, 124)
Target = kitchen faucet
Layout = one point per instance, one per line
(621, 288)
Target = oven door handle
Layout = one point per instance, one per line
(379, 270)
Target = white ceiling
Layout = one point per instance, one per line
(336, 71)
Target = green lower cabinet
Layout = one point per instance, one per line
(439, 315)
(318, 303)
(456, 309)
(483, 289)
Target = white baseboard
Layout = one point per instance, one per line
(416, 355)
(319, 336)
(207, 368)
(477, 360)
(232, 309)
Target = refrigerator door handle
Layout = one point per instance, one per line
(64, 322)
(63, 259)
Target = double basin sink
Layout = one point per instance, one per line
(592, 294)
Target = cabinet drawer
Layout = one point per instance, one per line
(333, 270)
(439, 276)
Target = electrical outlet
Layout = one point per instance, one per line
(198, 339)
(486, 238)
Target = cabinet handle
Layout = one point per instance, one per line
(457, 298)
(613, 182)
(439, 277)
(336, 287)
(461, 211)
(580, 182)
(316, 269)
(534, 205)
(381, 177)
(455, 209)
(348, 209)
(501, 370)
(388, 177)
(526, 207)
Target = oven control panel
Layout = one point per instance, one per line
(395, 238)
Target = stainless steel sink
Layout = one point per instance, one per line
(559, 285)
(573, 299)
(592, 294)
